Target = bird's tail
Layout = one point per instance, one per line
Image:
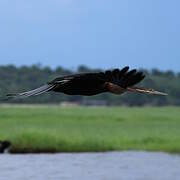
(35, 92)
(145, 91)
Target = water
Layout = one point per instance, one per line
(91, 166)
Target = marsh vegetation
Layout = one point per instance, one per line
(89, 129)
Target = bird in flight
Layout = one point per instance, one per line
(116, 81)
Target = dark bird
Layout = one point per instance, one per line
(4, 145)
(116, 81)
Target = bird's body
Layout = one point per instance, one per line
(88, 84)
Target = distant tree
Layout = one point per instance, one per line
(156, 72)
(83, 68)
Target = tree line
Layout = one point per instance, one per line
(18, 79)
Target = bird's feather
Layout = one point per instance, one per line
(34, 92)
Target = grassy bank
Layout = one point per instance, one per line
(82, 129)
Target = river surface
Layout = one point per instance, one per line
(91, 166)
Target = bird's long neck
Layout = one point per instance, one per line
(115, 89)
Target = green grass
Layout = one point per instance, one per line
(81, 129)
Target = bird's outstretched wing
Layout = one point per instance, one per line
(123, 78)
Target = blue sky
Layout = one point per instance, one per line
(96, 33)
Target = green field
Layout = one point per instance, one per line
(89, 129)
